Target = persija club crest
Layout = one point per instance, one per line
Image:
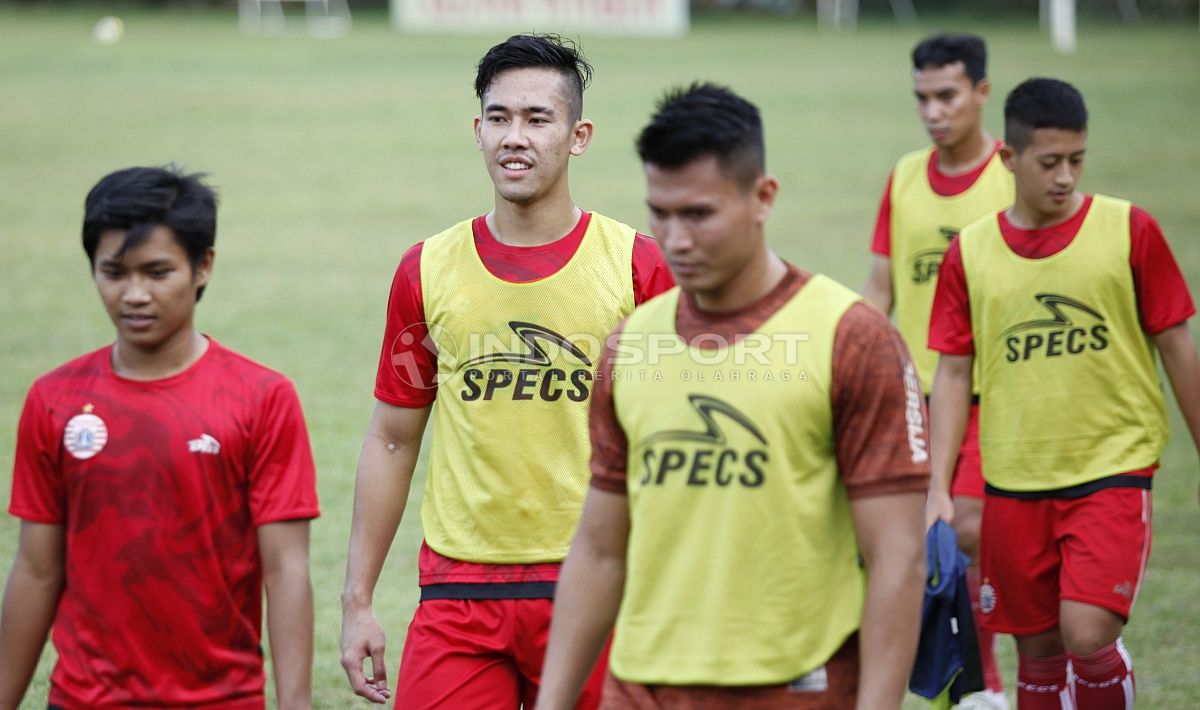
(987, 597)
(85, 435)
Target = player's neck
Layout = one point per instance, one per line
(546, 220)
(967, 155)
(1024, 216)
(752, 283)
(171, 357)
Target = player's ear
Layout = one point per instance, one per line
(581, 137)
(983, 90)
(478, 138)
(766, 188)
(1008, 156)
(203, 271)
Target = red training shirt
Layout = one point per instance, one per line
(161, 486)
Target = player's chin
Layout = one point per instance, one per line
(694, 281)
(518, 194)
(143, 338)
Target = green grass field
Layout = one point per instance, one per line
(334, 156)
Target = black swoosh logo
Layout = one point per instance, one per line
(706, 407)
(1055, 303)
(533, 335)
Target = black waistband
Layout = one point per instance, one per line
(1072, 492)
(504, 590)
(974, 399)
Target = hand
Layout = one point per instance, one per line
(363, 638)
(938, 505)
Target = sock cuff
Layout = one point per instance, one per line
(1107, 661)
(1042, 670)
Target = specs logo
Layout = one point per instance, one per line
(710, 456)
(925, 263)
(1073, 328)
(485, 377)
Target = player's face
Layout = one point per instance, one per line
(150, 290)
(950, 105)
(1046, 173)
(527, 135)
(709, 227)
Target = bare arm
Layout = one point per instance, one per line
(589, 594)
(892, 540)
(284, 550)
(30, 600)
(949, 407)
(385, 471)
(878, 289)
(1179, 358)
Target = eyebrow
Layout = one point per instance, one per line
(1069, 155)
(528, 109)
(157, 263)
(935, 91)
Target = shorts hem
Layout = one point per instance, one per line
(1123, 613)
(1013, 630)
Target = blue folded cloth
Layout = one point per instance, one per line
(948, 650)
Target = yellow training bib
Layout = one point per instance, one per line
(922, 225)
(742, 563)
(1069, 392)
(508, 466)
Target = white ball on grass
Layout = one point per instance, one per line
(108, 30)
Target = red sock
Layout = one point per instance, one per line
(987, 639)
(1104, 680)
(1042, 683)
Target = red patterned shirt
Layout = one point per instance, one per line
(160, 486)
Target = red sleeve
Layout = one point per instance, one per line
(650, 273)
(881, 243)
(407, 373)
(38, 494)
(880, 429)
(283, 479)
(610, 448)
(950, 319)
(1162, 294)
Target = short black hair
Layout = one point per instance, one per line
(943, 49)
(136, 200)
(538, 51)
(1042, 103)
(705, 119)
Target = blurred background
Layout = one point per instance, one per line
(338, 136)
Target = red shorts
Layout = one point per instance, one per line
(968, 473)
(485, 654)
(1038, 553)
(836, 690)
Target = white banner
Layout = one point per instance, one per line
(625, 17)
